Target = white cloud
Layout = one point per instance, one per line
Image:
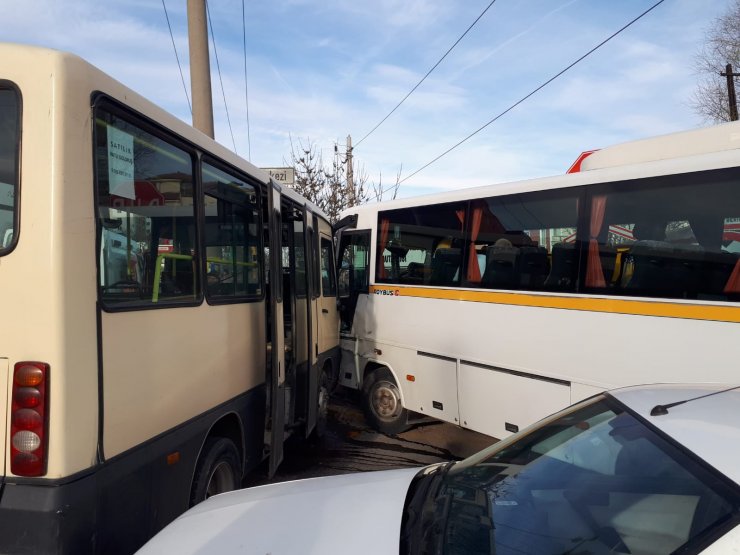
(323, 71)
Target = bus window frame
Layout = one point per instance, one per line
(206, 158)
(101, 101)
(4, 251)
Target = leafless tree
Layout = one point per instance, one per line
(721, 47)
(326, 185)
(380, 193)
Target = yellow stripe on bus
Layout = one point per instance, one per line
(613, 305)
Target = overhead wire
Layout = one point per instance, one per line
(182, 78)
(539, 88)
(427, 74)
(246, 82)
(218, 67)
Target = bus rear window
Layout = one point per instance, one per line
(10, 137)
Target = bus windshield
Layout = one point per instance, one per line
(9, 148)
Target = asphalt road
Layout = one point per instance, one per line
(350, 445)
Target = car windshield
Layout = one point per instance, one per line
(597, 480)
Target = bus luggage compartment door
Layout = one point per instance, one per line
(4, 392)
(499, 402)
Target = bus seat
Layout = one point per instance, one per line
(564, 270)
(651, 263)
(533, 267)
(414, 273)
(686, 270)
(502, 270)
(445, 265)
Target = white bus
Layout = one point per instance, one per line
(149, 358)
(495, 306)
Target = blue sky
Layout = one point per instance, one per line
(325, 70)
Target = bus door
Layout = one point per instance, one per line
(276, 378)
(300, 297)
(310, 222)
(353, 287)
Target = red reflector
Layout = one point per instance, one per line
(27, 397)
(29, 419)
(410, 377)
(27, 464)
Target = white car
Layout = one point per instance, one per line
(641, 470)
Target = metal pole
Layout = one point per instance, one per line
(200, 67)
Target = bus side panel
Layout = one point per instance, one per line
(589, 350)
(174, 365)
(148, 487)
(484, 387)
(118, 506)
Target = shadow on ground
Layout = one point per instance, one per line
(350, 445)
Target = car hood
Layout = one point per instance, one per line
(352, 513)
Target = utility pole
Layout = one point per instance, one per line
(350, 176)
(200, 67)
(731, 90)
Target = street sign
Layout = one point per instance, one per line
(286, 176)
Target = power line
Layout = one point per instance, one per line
(427, 74)
(542, 86)
(218, 66)
(182, 78)
(246, 83)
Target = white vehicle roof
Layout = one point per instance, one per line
(699, 149)
(64, 65)
(707, 425)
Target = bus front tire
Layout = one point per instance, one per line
(218, 470)
(382, 400)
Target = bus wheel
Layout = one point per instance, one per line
(322, 413)
(218, 470)
(382, 401)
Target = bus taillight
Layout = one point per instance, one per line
(29, 419)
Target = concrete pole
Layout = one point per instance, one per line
(200, 67)
(350, 173)
(731, 90)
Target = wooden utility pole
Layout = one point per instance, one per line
(200, 67)
(350, 175)
(731, 90)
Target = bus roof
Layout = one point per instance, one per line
(717, 138)
(708, 148)
(43, 62)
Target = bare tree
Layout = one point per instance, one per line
(721, 47)
(307, 161)
(380, 193)
(326, 184)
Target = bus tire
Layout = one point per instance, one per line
(322, 411)
(382, 402)
(218, 470)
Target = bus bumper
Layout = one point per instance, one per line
(43, 518)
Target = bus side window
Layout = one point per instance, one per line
(146, 216)
(233, 267)
(423, 245)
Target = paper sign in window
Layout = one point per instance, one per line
(121, 163)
